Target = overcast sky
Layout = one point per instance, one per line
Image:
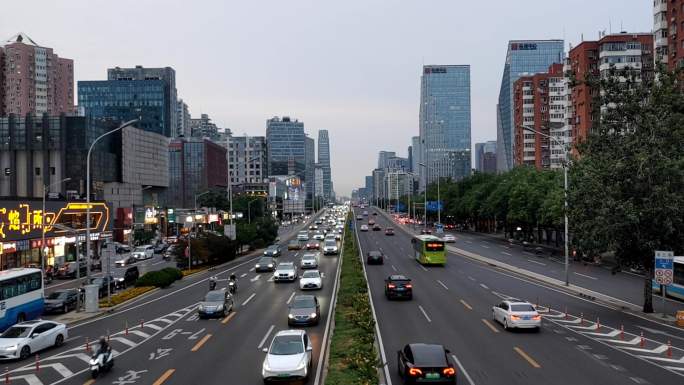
(350, 66)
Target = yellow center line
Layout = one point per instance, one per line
(164, 377)
(466, 305)
(527, 357)
(89, 382)
(489, 325)
(227, 319)
(201, 342)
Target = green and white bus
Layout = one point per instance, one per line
(429, 250)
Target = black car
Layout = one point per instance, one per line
(304, 310)
(376, 227)
(216, 303)
(389, 231)
(374, 213)
(359, 217)
(61, 301)
(398, 286)
(125, 277)
(265, 264)
(272, 251)
(160, 248)
(419, 363)
(101, 283)
(375, 258)
(425, 231)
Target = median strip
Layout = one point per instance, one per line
(527, 358)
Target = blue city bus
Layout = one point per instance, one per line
(21, 296)
(676, 290)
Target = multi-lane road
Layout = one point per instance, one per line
(452, 305)
(159, 338)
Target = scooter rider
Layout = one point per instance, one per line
(232, 284)
(212, 283)
(104, 346)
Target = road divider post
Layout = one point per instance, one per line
(87, 345)
(37, 362)
(642, 342)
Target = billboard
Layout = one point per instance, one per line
(24, 219)
(435, 206)
(295, 197)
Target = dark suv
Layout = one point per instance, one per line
(375, 258)
(398, 286)
(125, 277)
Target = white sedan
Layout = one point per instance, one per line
(364, 228)
(288, 358)
(448, 238)
(311, 280)
(513, 313)
(23, 339)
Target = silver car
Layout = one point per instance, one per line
(216, 303)
(286, 271)
(513, 313)
(309, 261)
(288, 358)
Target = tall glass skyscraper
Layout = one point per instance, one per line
(444, 122)
(286, 147)
(324, 162)
(523, 56)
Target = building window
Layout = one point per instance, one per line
(53, 171)
(37, 171)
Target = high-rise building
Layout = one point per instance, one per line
(397, 163)
(310, 161)
(195, 165)
(383, 157)
(660, 31)
(286, 146)
(633, 51)
(248, 160)
(319, 177)
(522, 57)
(540, 105)
(379, 186)
(485, 156)
(324, 162)
(444, 122)
(33, 79)
(409, 151)
(183, 119)
(368, 184)
(203, 127)
(416, 153)
(167, 76)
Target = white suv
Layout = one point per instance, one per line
(330, 247)
(143, 252)
(286, 271)
(288, 357)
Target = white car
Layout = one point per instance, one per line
(319, 236)
(311, 280)
(448, 238)
(143, 252)
(309, 261)
(330, 247)
(125, 261)
(23, 339)
(303, 236)
(288, 357)
(513, 313)
(364, 228)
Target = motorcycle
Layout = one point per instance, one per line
(101, 362)
(232, 287)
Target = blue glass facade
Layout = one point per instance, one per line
(523, 56)
(445, 119)
(286, 147)
(124, 100)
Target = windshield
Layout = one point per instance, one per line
(285, 345)
(308, 257)
(331, 243)
(57, 295)
(311, 274)
(213, 297)
(303, 303)
(265, 261)
(286, 266)
(16, 332)
(522, 308)
(140, 249)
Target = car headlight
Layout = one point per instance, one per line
(11, 348)
(257, 266)
(290, 316)
(266, 367)
(301, 366)
(201, 308)
(219, 307)
(313, 315)
(270, 265)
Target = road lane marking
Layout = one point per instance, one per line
(393, 268)
(228, 318)
(199, 343)
(586, 276)
(505, 253)
(484, 286)
(423, 267)
(471, 278)
(424, 313)
(263, 340)
(290, 299)
(469, 241)
(462, 368)
(252, 269)
(527, 358)
(505, 247)
(248, 299)
(490, 326)
(256, 278)
(466, 305)
(538, 263)
(485, 246)
(164, 377)
(243, 275)
(443, 285)
(89, 382)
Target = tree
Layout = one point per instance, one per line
(627, 188)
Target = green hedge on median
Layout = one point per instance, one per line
(353, 358)
(160, 278)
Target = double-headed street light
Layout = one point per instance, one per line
(565, 194)
(46, 188)
(90, 150)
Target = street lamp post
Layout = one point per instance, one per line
(190, 233)
(249, 211)
(90, 150)
(46, 188)
(565, 195)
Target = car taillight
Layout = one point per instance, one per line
(391, 286)
(448, 371)
(415, 372)
(408, 286)
(515, 317)
(536, 317)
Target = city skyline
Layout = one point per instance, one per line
(378, 96)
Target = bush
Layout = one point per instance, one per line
(125, 295)
(160, 278)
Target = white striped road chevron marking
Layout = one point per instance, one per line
(81, 356)
(658, 350)
(572, 321)
(124, 341)
(633, 341)
(675, 368)
(611, 334)
(168, 321)
(31, 379)
(557, 315)
(672, 360)
(138, 333)
(59, 368)
(153, 326)
(592, 326)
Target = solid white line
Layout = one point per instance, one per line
(290, 299)
(538, 263)
(465, 373)
(424, 313)
(263, 340)
(443, 285)
(248, 299)
(484, 286)
(586, 276)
